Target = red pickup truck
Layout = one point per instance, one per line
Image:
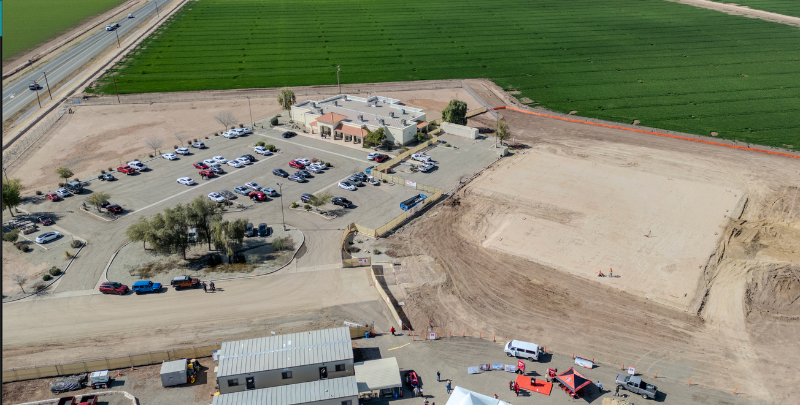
(126, 169)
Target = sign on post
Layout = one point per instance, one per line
(631, 371)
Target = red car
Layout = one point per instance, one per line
(126, 169)
(45, 221)
(297, 164)
(200, 165)
(53, 197)
(258, 196)
(116, 209)
(207, 173)
(113, 288)
(381, 158)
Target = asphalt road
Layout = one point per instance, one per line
(17, 96)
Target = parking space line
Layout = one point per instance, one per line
(399, 347)
(321, 150)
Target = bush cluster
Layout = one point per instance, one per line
(46, 277)
(260, 143)
(54, 271)
(76, 244)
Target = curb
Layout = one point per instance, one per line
(63, 273)
(105, 272)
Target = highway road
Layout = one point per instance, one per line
(18, 96)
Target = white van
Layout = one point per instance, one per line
(525, 350)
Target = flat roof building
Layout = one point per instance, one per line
(349, 118)
(338, 391)
(272, 361)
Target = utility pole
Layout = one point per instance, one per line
(251, 112)
(337, 79)
(118, 44)
(115, 89)
(36, 86)
(48, 85)
(157, 12)
(6, 174)
(280, 188)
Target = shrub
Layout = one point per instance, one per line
(233, 126)
(405, 149)
(389, 147)
(365, 146)
(327, 164)
(76, 244)
(307, 207)
(46, 277)
(38, 192)
(102, 171)
(279, 115)
(260, 143)
(195, 139)
(11, 236)
(111, 169)
(291, 121)
(447, 145)
(376, 252)
(54, 271)
(206, 137)
(294, 205)
(384, 180)
(61, 184)
(273, 121)
(271, 148)
(68, 255)
(151, 155)
(284, 243)
(39, 286)
(314, 160)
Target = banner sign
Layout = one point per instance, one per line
(631, 371)
(411, 183)
(584, 363)
(363, 260)
(497, 366)
(432, 336)
(473, 370)
(486, 367)
(511, 368)
(521, 365)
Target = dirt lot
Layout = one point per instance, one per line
(540, 283)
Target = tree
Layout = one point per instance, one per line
(20, 279)
(421, 136)
(180, 137)
(64, 173)
(320, 199)
(376, 137)
(140, 232)
(286, 98)
(97, 199)
(226, 118)
(455, 112)
(11, 236)
(229, 235)
(154, 143)
(203, 213)
(177, 228)
(11, 194)
(501, 133)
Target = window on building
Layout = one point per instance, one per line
(286, 375)
(348, 402)
(340, 367)
(234, 382)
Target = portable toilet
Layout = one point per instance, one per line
(173, 372)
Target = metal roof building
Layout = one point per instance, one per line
(337, 391)
(285, 359)
(378, 374)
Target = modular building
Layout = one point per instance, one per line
(174, 372)
(338, 391)
(273, 361)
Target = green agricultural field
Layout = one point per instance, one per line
(786, 7)
(668, 65)
(28, 23)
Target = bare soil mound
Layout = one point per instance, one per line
(775, 293)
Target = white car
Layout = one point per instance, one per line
(212, 164)
(304, 161)
(373, 155)
(318, 166)
(230, 134)
(63, 192)
(314, 169)
(262, 151)
(209, 161)
(244, 131)
(216, 197)
(347, 185)
(137, 165)
(169, 156)
(421, 158)
(243, 160)
(186, 180)
(182, 151)
(235, 163)
(47, 237)
(425, 167)
(220, 159)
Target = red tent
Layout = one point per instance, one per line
(572, 381)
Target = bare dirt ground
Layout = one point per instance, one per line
(739, 332)
(735, 9)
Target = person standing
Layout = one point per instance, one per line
(616, 393)
(516, 390)
(213, 288)
(448, 386)
(205, 289)
(438, 377)
(511, 385)
(421, 393)
(600, 386)
(611, 273)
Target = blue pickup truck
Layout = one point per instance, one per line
(147, 286)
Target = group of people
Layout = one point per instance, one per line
(513, 386)
(211, 285)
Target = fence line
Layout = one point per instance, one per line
(379, 286)
(106, 363)
(480, 100)
(20, 146)
(392, 162)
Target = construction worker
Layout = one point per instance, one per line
(392, 330)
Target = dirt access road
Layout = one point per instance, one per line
(741, 331)
(735, 9)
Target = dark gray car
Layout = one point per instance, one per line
(227, 194)
(262, 229)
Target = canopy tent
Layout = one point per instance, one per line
(572, 380)
(462, 396)
(377, 374)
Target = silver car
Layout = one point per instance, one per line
(227, 194)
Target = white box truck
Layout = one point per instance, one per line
(525, 350)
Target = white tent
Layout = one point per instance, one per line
(463, 396)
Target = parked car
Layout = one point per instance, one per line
(244, 131)
(304, 173)
(262, 229)
(360, 176)
(518, 348)
(208, 173)
(242, 190)
(270, 192)
(249, 230)
(426, 167)
(170, 156)
(63, 193)
(45, 220)
(104, 204)
(243, 160)
(355, 181)
(262, 151)
(421, 157)
(280, 172)
(74, 187)
(209, 162)
(186, 180)
(230, 134)
(297, 164)
(199, 145)
(347, 186)
(381, 158)
(227, 194)
(53, 197)
(107, 177)
(318, 165)
(138, 165)
(249, 157)
(216, 169)
(299, 179)
(145, 286)
(252, 186)
(216, 197)
(182, 151)
(288, 134)
(341, 201)
(200, 165)
(111, 287)
(126, 169)
(373, 155)
(184, 282)
(114, 209)
(306, 197)
(304, 161)
(258, 196)
(235, 163)
(637, 386)
(220, 160)
(314, 169)
(47, 237)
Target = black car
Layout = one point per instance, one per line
(37, 86)
(280, 172)
(106, 176)
(288, 134)
(341, 201)
(360, 176)
(355, 180)
(249, 157)
(262, 229)
(304, 173)
(305, 198)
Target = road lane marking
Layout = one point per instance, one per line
(400, 347)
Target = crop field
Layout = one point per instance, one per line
(785, 7)
(27, 23)
(668, 65)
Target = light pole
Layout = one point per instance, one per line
(118, 44)
(280, 188)
(36, 86)
(157, 12)
(48, 84)
(251, 111)
(337, 79)
(6, 174)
